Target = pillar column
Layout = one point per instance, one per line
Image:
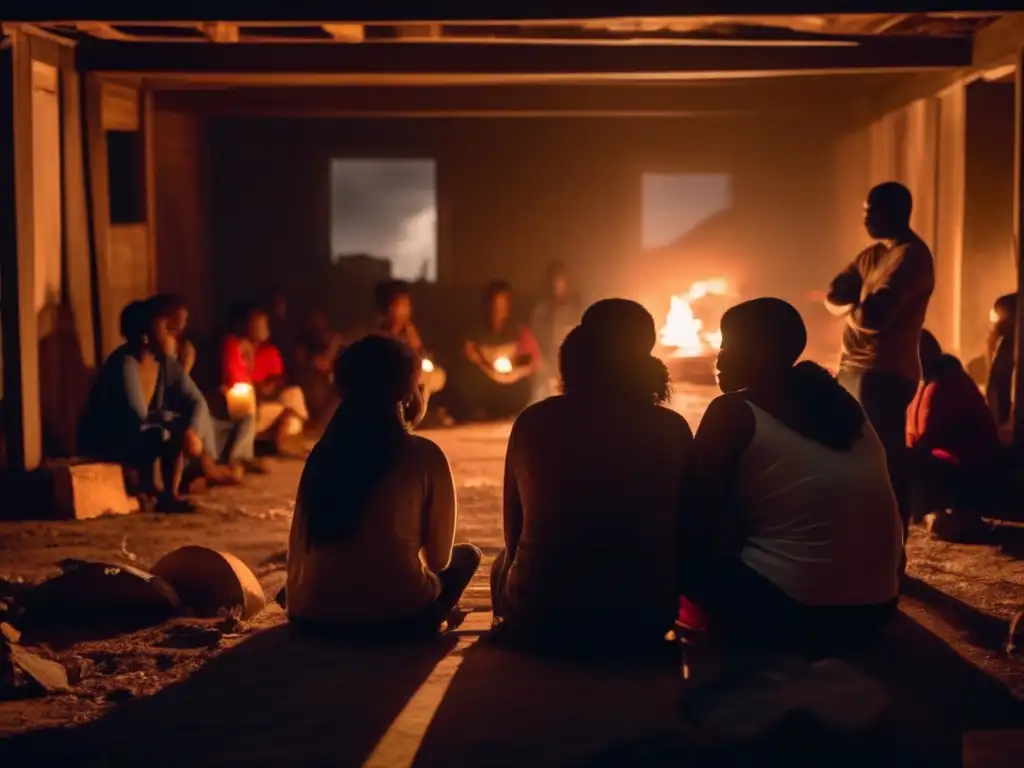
(17, 264)
(1018, 223)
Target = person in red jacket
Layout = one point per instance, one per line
(951, 434)
(250, 361)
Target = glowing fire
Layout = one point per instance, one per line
(503, 365)
(685, 333)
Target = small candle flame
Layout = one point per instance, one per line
(503, 365)
(241, 389)
(427, 365)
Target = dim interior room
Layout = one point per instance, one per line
(635, 207)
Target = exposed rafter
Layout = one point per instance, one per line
(221, 31)
(346, 33)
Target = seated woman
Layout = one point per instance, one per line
(370, 552)
(952, 436)
(393, 300)
(797, 539)
(316, 350)
(501, 358)
(144, 412)
(595, 492)
(248, 358)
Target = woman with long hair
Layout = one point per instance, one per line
(594, 491)
(797, 538)
(371, 546)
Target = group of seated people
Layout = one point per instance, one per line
(777, 520)
(956, 431)
(146, 413)
(503, 364)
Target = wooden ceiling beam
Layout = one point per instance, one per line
(346, 33)
(317, 11)
(768, 98)
(220, 31)
(440, 58)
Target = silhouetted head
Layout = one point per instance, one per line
(557, 279)
(498, 303)
(177, 309)
(393, 300)
(377, 372)
(761, 340)
(1004, 312)
(134, 324)
(887, 210)
(609, 353)
(161, 318)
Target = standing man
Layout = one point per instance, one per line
(884, 296)
(556, 313)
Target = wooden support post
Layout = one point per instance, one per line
(20, 333)
(1018, 226)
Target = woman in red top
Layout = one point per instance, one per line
(951, 433)
(248, 357)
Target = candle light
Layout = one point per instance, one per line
(241, 399)
(503, 365)
(427, 366)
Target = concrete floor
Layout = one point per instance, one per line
(256, 695)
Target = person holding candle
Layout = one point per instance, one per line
(393, 301)
(248, 358)
(500, 361)
(371, 553)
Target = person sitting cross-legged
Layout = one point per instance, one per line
(249, 359)
(595, 492)
(144, 412)
(370, 554)
(953, 441)
(797, 539)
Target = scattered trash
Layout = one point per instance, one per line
(91, 591)
(1011, 639)
(24, 673)
(127, 555)
(211, 582)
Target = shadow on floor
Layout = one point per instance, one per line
(275, 699)
(281, 699)
(982, 629)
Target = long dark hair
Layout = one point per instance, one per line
(824, 411)
(374, 376)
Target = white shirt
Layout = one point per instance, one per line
(823, 524)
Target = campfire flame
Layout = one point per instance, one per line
(683, 332)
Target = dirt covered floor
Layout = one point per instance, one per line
(966, 596)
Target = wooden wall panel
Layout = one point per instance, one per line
(181, 253)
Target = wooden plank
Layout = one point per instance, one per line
(20, 331)
(120, 107)
(77, 256)
(999, 41)
(768, 97)
(455, 59)
(108, 333)
(149, 149)
(1018, 224)
(503, 10)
